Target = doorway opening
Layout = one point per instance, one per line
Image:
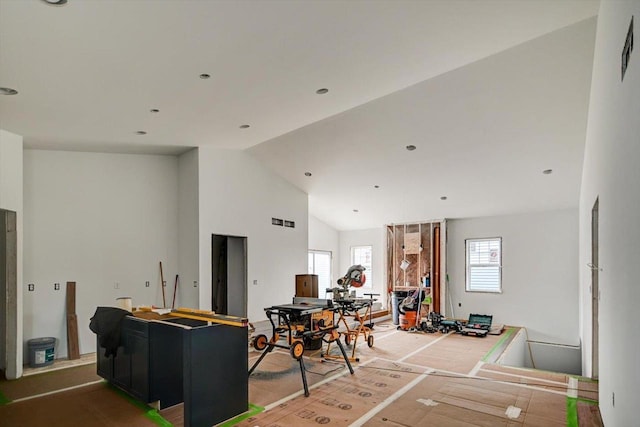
(595, 291)
(229, 275)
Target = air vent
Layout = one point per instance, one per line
(283, 222)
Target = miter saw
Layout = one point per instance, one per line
(355, 277)
(352, 311)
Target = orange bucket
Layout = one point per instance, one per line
(407, 320)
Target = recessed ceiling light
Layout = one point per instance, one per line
(307, 174)
(154, 110)
(356, 210)
(205, 76)
(411, 147)
(322, 91)
(141, 132)
(55, 2)
(244, 126)
(547, 171)
(8, 91)
(443, 197)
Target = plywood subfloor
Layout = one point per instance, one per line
(95, 405)
(405, 379)
(467, 401)
(47, 382)
(410, 379)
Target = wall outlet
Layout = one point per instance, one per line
(164, 284)
(146, 284)
(56, 286)
(195, 283)
(31, 287)
(255, 282)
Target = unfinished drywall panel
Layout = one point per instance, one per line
(611, 175)
(238, 197)
(539, 273)
(11, 199)
(104, 221)
(188, 260)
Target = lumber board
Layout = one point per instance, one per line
(209, 316)
(71, 297)
(73, 348)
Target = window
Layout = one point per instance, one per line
(484, 265)
(320, 264)
(362, 255)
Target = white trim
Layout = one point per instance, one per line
(316, 385)
(421, 348)
(572, 391)
(525, 377)
(474, 371)
(35, 396)
(389, 400)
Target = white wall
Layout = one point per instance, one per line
(517, 352)
(10, 171)
(96, 219)
(376, 238)
(188, 260)
(611, 173)
(539, 274)
(323, 237)
(11, 198)
(238, 197)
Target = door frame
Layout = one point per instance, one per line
(9, 324)
(595, 291)
(236, 267)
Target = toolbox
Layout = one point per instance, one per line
(478, 325)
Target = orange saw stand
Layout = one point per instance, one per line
(350, 309)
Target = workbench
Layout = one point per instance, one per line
(170, 360)
(291, 325)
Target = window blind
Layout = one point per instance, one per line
(483, 261)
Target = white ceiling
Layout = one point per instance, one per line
(490, 92)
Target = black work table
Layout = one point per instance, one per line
(288, 323)
(178, 360)
(295, 309)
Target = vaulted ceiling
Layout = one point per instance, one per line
(491, 94)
